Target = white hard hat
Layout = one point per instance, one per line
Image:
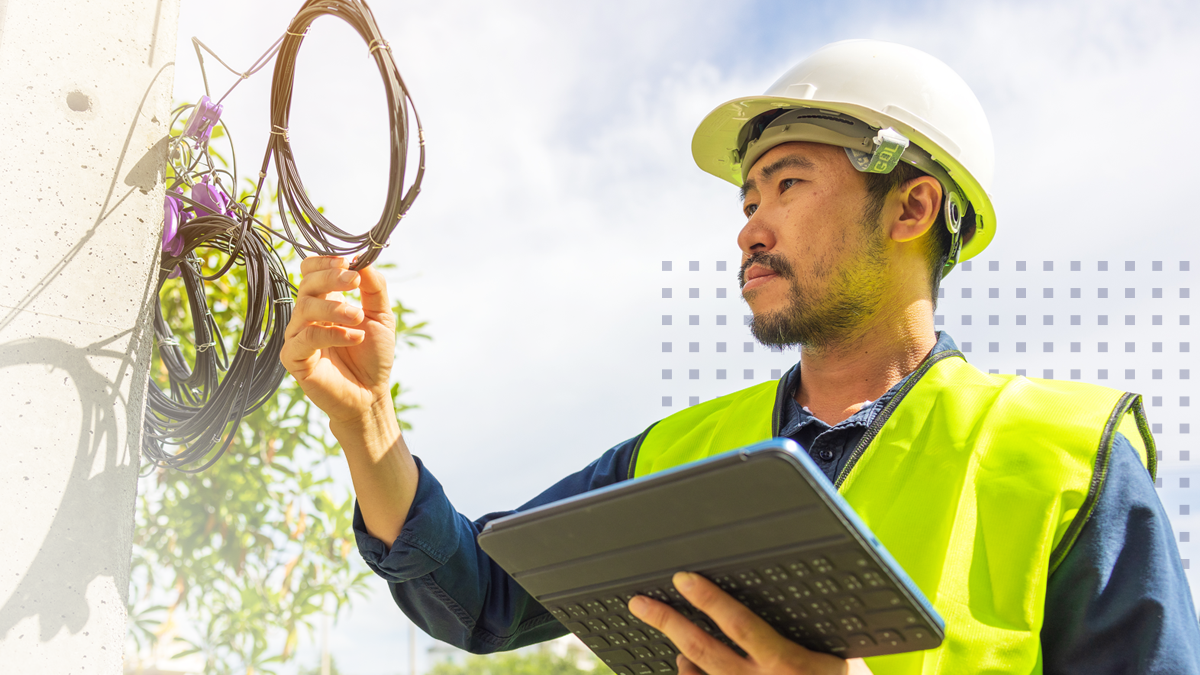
(881, 101)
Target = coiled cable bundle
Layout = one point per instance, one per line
(202, 405)
(202, 410)
(316, 233)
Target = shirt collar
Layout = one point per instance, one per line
(800, 417)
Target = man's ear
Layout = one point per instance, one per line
(920, 201)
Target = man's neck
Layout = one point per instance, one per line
(835, 380)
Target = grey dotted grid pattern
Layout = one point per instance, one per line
(1124, 324)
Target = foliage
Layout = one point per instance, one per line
(525, 662)
(251, 550)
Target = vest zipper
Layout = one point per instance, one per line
(882, 418)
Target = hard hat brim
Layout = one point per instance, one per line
(715, 149)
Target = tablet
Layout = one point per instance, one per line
(762, 522)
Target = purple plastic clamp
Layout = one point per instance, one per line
(173, 218)
(211, 199)
(204, 116)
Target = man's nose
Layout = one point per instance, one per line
(757, 235)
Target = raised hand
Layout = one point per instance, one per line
(339, 353)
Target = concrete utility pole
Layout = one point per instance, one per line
(85, 92)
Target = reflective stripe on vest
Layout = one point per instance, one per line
(977, 484)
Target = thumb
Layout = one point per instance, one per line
(373, 289)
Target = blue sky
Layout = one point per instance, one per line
(560, 176)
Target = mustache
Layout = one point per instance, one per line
(771, 261)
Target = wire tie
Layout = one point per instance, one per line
(379, 44)
(282, 131)
(261, 344)
(206, 346)
(262, 174)
(300, 35)
(286, 301)
(166, 342)
(374, 244)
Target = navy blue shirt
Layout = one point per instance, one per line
(1118, 603)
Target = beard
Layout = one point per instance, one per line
(853, 294)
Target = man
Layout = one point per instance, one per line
(1024, 510)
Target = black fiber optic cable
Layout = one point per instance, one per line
(314, 232)
(202, 410)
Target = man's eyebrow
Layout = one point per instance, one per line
(772, 169)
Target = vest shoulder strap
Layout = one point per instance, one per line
(708, 429)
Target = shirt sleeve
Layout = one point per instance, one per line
(448, 586)
(1119, 602)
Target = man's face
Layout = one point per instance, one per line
(812, 271)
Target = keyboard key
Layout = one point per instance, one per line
(860, 640)
(621, 670)
(662, 667)
(849, 581)
(851, 623)
(674, 596)
(595, 642)
(594, 607)
(576, 627)
(833, 644)
(614, 604)
(894, 618)
(798, 591)
(771, 594)
(820, 607)
(798, 569)
(824, 628)
(663, 649)
(641, 669)
(888, 638)
(872, 579)
(725, 582)
(636, 636)
(793, 612)
(880, 599)
(615, 656)
(616, 639)
(558, 613)
(848, 603)
(615, 621)
(576, 611)
(774, 574)
(641, 652)
(915, 634)
(749, 578)
(596, 625)
(825, 586)
(657, 594)
(821, 565)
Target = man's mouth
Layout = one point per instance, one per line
(756, 276)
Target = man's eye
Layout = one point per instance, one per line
(787, 183)
(750, 209)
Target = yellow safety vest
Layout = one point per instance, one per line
(977, 484)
